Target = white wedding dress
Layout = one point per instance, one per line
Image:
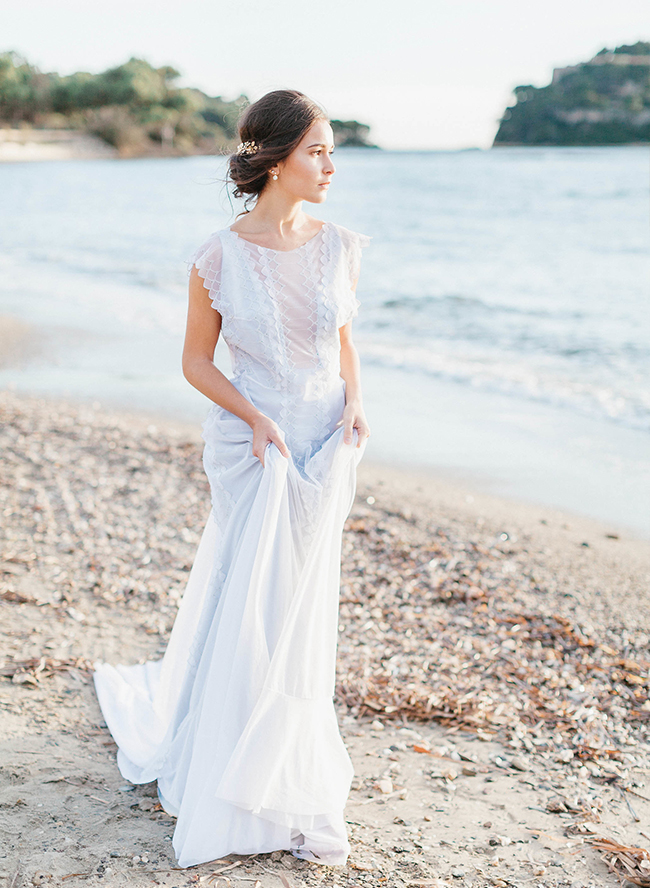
(237, 722)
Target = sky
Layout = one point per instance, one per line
(424, 74)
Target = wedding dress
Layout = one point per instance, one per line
(236, 722)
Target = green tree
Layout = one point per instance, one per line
(24, 90)
(135, 107)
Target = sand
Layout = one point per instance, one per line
(21, 145)
(101, 515)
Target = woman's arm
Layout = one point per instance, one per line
(353, 414)
(201, 337)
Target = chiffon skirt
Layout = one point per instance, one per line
(236, 722)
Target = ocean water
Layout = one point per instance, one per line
(505, 321)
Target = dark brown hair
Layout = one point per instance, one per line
(276, 123)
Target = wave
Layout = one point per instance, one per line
(576, 335)
(460, 302)
(615, 400)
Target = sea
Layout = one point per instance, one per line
(504, 329)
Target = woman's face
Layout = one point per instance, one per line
(307, 172)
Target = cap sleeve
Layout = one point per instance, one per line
(358, 242)
(353, 243)
(208, 262)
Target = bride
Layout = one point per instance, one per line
(237, 721)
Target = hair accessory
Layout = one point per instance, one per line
(247, 148)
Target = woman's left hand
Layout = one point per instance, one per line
(355, 418)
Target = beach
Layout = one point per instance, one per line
(492, 684)
(28, 145)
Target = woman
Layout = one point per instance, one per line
(237, 722)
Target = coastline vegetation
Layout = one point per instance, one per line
(138, 109)
(604, 101)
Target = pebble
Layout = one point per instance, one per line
(385, 549)
(409, 607)
(519, 763)
(385, 785)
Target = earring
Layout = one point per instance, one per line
(275, 176)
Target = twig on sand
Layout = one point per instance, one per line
(625, 860)
(14, 879)
(629, 804)
(226, 868)
(637, 794)
(142, 872)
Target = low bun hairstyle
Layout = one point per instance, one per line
(276, 123)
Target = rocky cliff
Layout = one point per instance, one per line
(604, 101)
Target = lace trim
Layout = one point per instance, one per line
(315, 267)
(272, 329)
(354, 242)
(208, 260)
(359, 242)
(328, 343)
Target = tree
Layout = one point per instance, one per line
(24, 91)
(135, 107)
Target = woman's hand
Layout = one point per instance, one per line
(265, 431)
(355, 418)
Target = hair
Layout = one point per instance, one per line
(276, 123)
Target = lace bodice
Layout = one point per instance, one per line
(281, 312)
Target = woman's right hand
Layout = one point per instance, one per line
(265, 430)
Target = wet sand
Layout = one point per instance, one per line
(19, 343)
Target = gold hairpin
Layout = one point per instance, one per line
(247, 148)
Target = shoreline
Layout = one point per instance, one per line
(580, 548)
(20, 345)
(492, 685)
(30, 145)
(489, 442)
(34, 145)
(472, 490)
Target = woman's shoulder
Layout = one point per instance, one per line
(349, 238)
(212, 245)
(214, 239)
(208, 255)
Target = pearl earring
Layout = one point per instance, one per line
(275, 176)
